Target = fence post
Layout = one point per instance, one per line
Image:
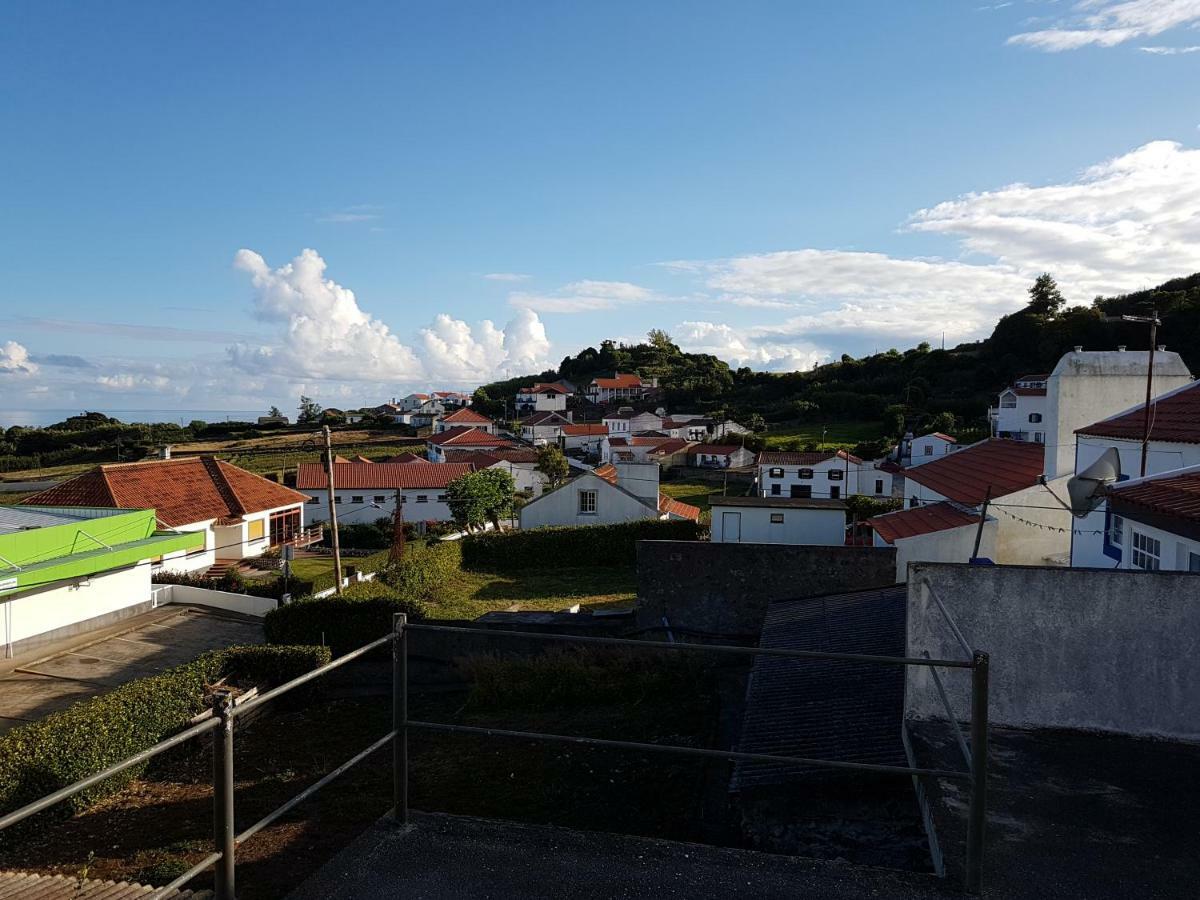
(977, 814)
(224, 835)
(400, 719)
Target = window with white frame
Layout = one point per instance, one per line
(1147, 552)
(836, 474)
(1116, 531)
(380, 498)
(1008, 401)
(929, 449)
(776, 518)
(776, 472)
(587, 502)
(1035, 417)
(804, 474)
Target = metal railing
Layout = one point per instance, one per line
(226, 710)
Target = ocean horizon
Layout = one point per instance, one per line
(39, 418)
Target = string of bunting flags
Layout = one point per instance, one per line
(1048, 527)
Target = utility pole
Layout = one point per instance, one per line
(397, 551)
(987, 499)
(1153, 321)
(333, 522)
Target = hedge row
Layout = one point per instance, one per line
(424, 569)
(373, 563)
(342, 623)
(584, 545)
(43, 756)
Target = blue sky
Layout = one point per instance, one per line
(774, 182)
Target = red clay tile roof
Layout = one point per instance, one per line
(1029, 392)
(807, 458)
(584, 430)
(380, 476)
(944, 437)
(1007, 466)
(620, 381)
(485, 458)
(640, 441)
(670, 445)
(468, 437)
(921, 520)
(466, 416)
(362, 459)
(406, 458)
(678, 508)
(182, 491)
(546, 417)
(1175, 417)
(607, 471)
(1175, 494)
(541, 388)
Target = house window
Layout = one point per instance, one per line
(1193, 562)
(776, 473)
(356, 498)
(802, 490)
(285, 526)
(835, 492)
(337, 498)
(1008, 401)
(422, 498)
(1035, 417)
(313, 501)
(836, 474)
(929, 449)
(804, 474)
(1146, 552)
(1039, 437)
(379, 498)
(1116, 531)
(878, 486)
(256, 529)
(587, 503)
(775, 490)
(443, 498)
(776, 518)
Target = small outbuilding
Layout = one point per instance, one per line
(778, 520)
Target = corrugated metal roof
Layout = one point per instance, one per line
(919, 520)
(826, 709)
(965, 475)
(381, 476)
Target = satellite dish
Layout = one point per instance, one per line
(1085, 488)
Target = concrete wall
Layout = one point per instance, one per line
(1018, 542)
(1070, 648)
(187, 595)
(826, 527)
(954, 545)
(820, 483)
(561, 507)
(725, 588)
(196, 561)
(928, 448)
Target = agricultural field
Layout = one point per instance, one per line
(833, 436)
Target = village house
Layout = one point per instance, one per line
(464, 417)
(619, 387)
(825, 474)
(519, 462)
(626, 421)
(409, 403)
(462, 438)
(636, 448)
(719, 456)
(544, 427)
(582, 437)
(689, 428)
(1020, 411)
(66, 570)
(240, 514)
(365, 493)
(671, 453)
(929, 447)
(543, 397)
(1174, 445)
(937, 532)
(1154, 522)
(451, 399)
(778, 520)
(606, 495)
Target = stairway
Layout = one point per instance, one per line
(67, 887)
(221, 568)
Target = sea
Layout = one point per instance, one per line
(35, 418)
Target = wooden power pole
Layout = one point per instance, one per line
(333, 522)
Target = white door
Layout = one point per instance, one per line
(731, 527)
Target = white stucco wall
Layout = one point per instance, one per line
(561, 507)
(193, 596)
(927, 448)
(350, 512)
(954, 545)
(753, 525)
(1015, 420)
(197, 560)
(820, 482)
(33, 613)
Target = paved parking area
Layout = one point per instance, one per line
(93, 664)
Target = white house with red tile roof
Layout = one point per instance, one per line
(622, 386)
(365, 493)
(1174, 444)
(719, 456)
(463, 417)
(462, 438)
(545, 427)
(635, 448)
(241, 514)
(822, 474)
(626, 421)
(451, 399)
(937, 532)
(1020, 410)
(1155, 521)
(928, 447)
(543, 397)
(519, 462)
(606, 495)
(585, 437)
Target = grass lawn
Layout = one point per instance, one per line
(473, 593)
(309, 567)
(8, 498)
(837, 434)
(696, 493)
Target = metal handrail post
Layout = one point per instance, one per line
(224, 835)
(400, 719)
(977, 814)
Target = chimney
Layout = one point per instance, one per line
(1120, 348)
(640, 479)
(164, 452)
(1079, 348)
(570, 416)
(1162, 348)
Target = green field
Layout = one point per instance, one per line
(836, 434)
(697, 493)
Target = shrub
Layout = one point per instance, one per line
(43, 756)
(584, 545)
(341, 623)
(424, 569)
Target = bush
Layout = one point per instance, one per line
(367, 564)
(584, 545)
(424, 569)
(342, 623)
(43, 756)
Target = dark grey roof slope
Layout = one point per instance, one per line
(826, 709)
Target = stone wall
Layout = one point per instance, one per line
(1096, 649)
(724, 589)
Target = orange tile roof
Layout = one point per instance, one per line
(182, 491)
(469, 437)
(607, 471)
(921, 520)
(1174, 494)
(485, 458)
(406, 458)
(1175, 417)
(1004, 465)
(714, 449)
(380, 476)
(804, 458)
(584, 430)
(620, 381)
(465, 416)
(678, 508)
(669, 446)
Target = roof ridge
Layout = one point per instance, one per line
(227, 491)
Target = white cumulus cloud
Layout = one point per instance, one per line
(751, 347)
(585, 296)
(14, 360)
(1104, 23)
